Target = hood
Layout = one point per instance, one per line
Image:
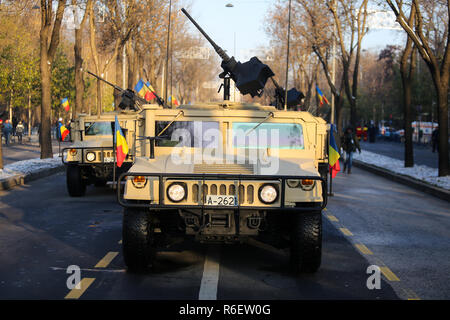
(276, 166)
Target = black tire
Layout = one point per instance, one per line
(306, 241)
(138, 241)
(76, 186)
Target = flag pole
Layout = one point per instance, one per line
(114, 156)
(330, 170)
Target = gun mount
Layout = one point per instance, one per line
(130, 100)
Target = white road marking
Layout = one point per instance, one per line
(210, 278)
(95, 270)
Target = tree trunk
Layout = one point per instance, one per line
(409, 154)
(442, 97)
(79, 81)
(46, 102)
(119, 77)
(99, 97)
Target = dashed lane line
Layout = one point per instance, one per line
(389, 274)
(76, 293)
(332, 218)
(346, 232)
(106, 260)
(363, 249)
(210, 278)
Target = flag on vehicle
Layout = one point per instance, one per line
(173, 100)
(321, 96)
(65, 104)
(140, 88)
(333, 155)
(121, 144)
(150, 94)
(63, 130)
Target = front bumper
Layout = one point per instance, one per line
(162, 202)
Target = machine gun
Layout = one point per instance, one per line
(250, 77)
(130, 100)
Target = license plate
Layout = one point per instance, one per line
(108, 159)
(225, 201)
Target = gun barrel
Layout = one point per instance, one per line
(218, 49)
(107, 82)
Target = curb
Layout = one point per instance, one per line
(21, 179)
(408, 181)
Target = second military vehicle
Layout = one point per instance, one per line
(91, 158)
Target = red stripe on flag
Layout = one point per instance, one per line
(120, 156)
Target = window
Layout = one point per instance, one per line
(188, 133)
(98, 128)
(268, 135)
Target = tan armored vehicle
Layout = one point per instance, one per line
(224, 172)
(91, 158)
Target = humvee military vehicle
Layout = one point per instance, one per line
(91, 158)
(224, 172)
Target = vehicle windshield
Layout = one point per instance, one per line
(192, 134)
(98, 128)
(268, 135)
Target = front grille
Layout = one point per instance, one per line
(246, 193)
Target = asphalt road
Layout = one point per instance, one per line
(43, 231)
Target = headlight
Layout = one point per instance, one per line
(293, 183)
(307, 184)
(90, 156)
(73, 152)
(139, 181)
(176, 192)
(268, 194)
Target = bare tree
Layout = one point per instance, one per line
(79, 81)
(407, 67)
(49, 40)
(350, 14)
(429, 35)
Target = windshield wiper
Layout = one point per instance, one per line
(170, 123)
(265, 119)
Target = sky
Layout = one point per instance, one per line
(245, 21)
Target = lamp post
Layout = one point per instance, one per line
(166, 69)
(287, 58)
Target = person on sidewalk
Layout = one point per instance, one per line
(7, 130)
(19, 131)
(349, 143)
(435, 139)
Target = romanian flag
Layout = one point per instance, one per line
(322, 97)
(174, 100)
(150, 94)
(140, 88)
(120, 144)
(333, 154)
(65, 104)
(64, 131)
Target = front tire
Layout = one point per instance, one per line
(76, 186)
(306, 241)
(138, 240)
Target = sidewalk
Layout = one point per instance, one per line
(28, 150)
(420, 177)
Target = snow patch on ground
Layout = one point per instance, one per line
(29, 166)
(419, 172)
